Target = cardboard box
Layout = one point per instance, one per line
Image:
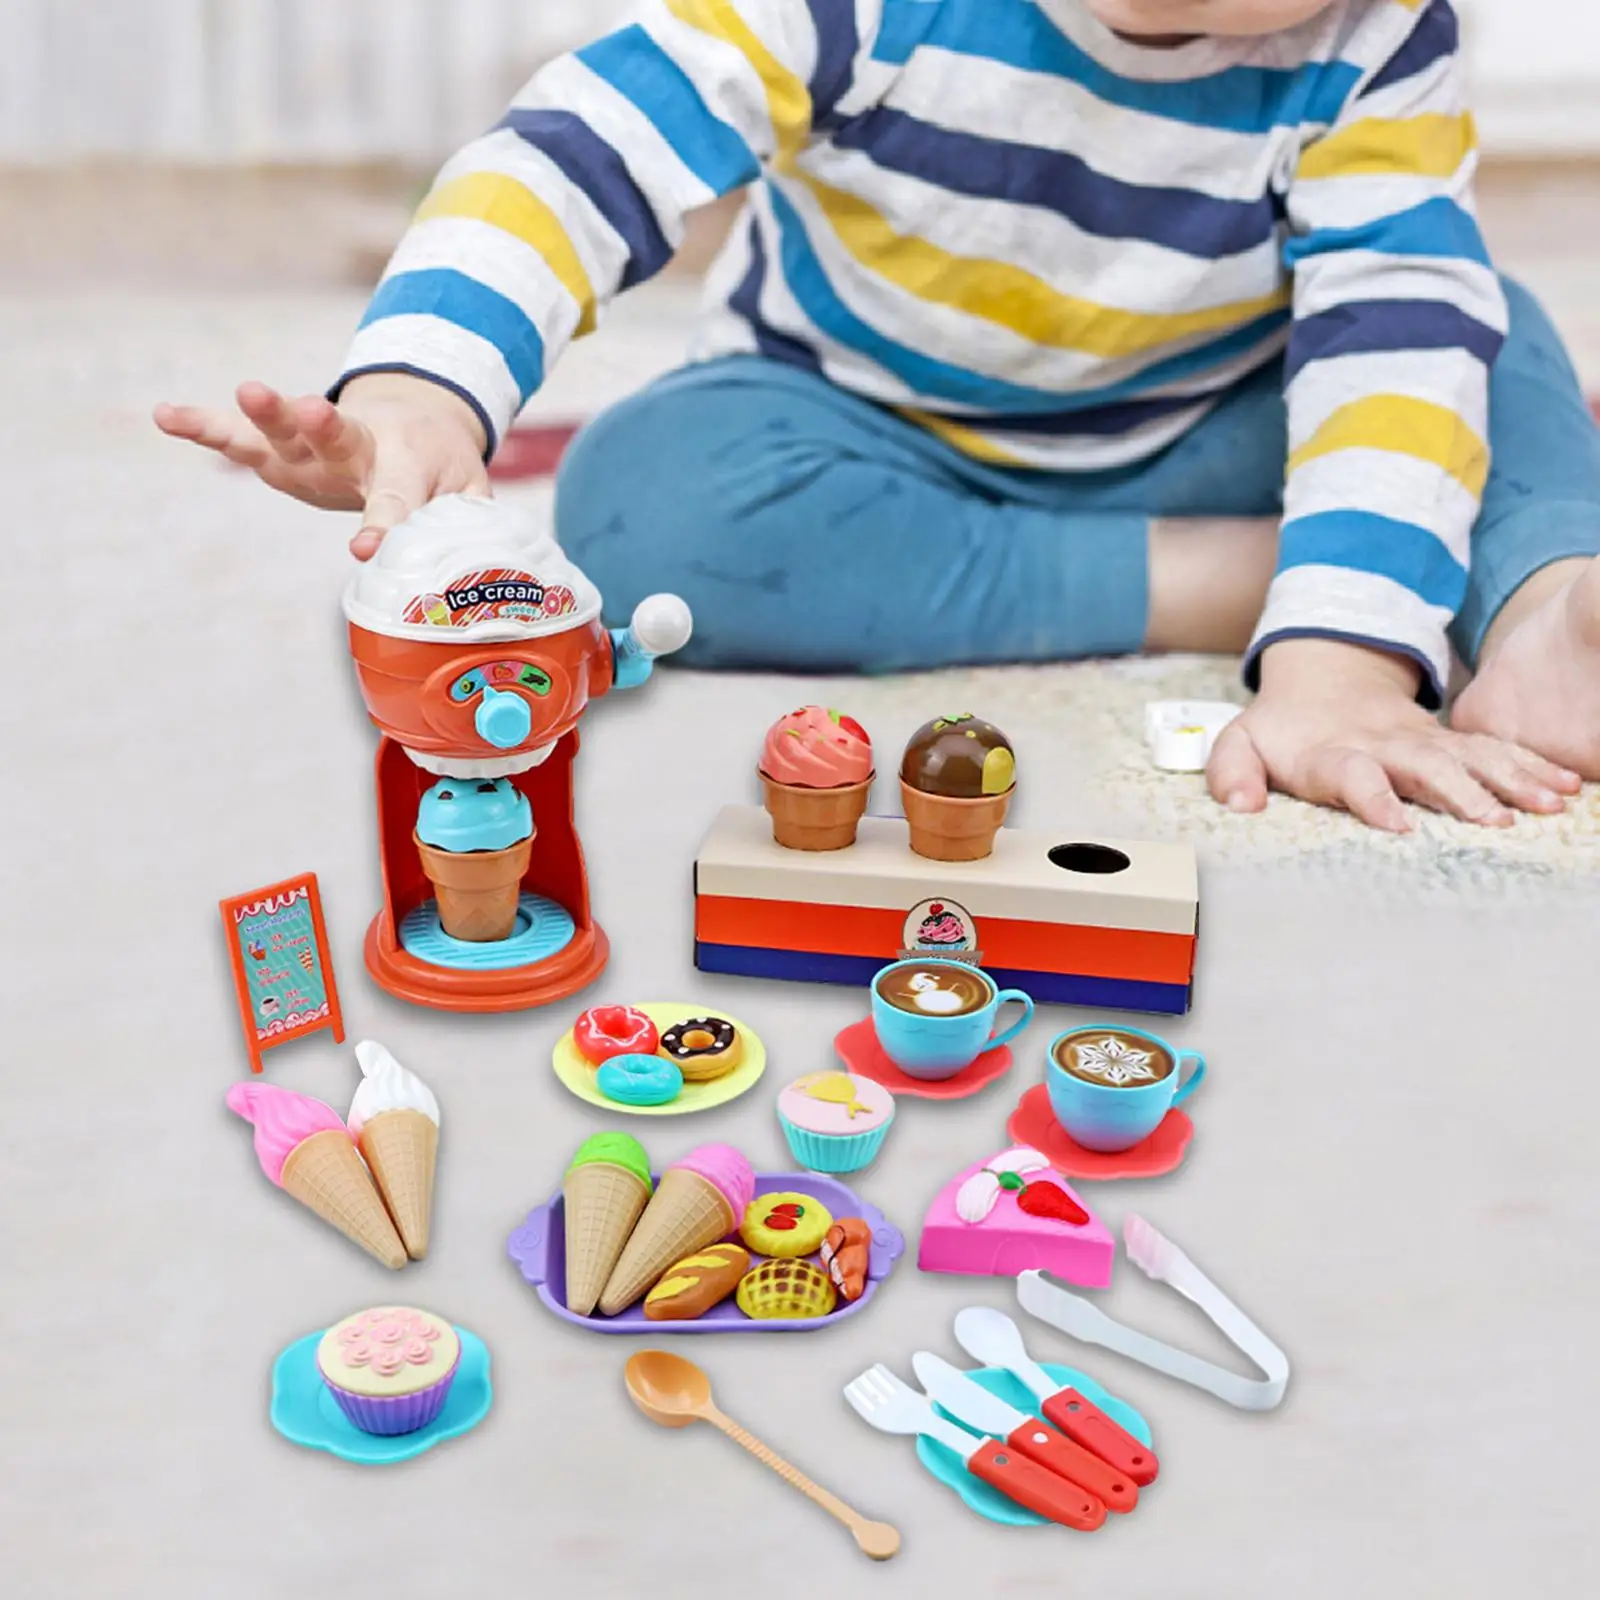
(1103, 923)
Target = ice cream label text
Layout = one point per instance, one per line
(497, 594)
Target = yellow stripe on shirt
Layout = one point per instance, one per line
(512, 207)
(1012, 297)
(1408, 426)
(788, 99)
(1430, 146)
(967, 440)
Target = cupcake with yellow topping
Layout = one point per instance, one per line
(835, 1121)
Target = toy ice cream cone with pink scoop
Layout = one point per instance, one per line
(816, 769)
(699, 1200)
(475, 837)
(307, 1151)
(956, 780)
(395, 1121)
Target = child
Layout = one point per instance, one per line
(1050, 328)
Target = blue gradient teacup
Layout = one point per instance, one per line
(935, 1018)
(1110, 1086)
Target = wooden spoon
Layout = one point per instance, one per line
(675, 1392)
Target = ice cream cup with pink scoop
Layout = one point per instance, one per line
(816, 769)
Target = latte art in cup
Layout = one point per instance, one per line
(935, 989)
(1113, 1060)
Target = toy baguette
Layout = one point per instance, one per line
(692, 1286)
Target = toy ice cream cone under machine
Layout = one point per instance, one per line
(478, 647)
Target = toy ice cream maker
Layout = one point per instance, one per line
(478, 646)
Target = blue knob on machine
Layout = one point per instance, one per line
(503, 719)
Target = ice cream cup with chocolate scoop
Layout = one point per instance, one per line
(956, 781)
(475, 838)
(816, 769)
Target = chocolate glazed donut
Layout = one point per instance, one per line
(702, 1048)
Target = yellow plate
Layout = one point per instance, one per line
(573, 1068)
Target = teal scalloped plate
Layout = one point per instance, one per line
(947, 1467)
(304, 1412)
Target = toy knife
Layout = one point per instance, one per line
(992, 1338)
(973, 1405)
(879, 1398)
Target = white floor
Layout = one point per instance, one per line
(1394, 1168)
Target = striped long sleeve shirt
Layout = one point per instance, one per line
(1051, 246)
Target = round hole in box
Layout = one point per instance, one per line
(1097, 858)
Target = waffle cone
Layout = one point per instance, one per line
(685, 1214)
(325, 1174)
(477, 890)
(815, 819)
(401, 1148)
(947, 829)
(602, 1203)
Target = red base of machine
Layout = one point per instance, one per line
(511, 989)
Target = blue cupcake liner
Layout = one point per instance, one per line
(834, 1152)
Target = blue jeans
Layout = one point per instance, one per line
(811, 530)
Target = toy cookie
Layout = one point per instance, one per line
(786, 1289)
(785, 1225)
(846, 1255)
(703, 1048)
(692, 1286)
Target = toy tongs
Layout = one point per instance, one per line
(1043, 1297)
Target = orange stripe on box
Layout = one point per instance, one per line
(866, 931)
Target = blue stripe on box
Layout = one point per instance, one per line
(1047, 988)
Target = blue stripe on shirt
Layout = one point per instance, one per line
(454, 297)
(1438, 228)
(746, 301)
(1436, 35)
(939, 380)
(1365, 542)
(991, 169)
(642, 72)
(1364, 327)
(590, 164)
(837, 44)
(1016, 33)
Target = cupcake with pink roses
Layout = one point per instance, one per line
(816, 769)
(390, 1368)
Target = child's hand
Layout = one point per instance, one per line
(1339, 724)
(391, 444)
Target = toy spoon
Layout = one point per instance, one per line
(674, 1392)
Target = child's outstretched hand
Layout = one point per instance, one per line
(390, 445)
(1339, 724)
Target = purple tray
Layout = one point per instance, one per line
(539, 1248)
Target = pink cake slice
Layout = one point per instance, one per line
(1011, 1240)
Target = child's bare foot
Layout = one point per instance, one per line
(1539, 682)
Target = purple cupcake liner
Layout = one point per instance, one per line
(394, 1413)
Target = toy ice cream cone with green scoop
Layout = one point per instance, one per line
(816, 770)
(395, 1120)
(606, 1188)
(956, 780)
(475, 837)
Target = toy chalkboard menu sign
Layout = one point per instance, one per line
(278, 946)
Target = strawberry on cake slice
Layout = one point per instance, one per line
(1013, 1214)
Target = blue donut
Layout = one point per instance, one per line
(639, 1080)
